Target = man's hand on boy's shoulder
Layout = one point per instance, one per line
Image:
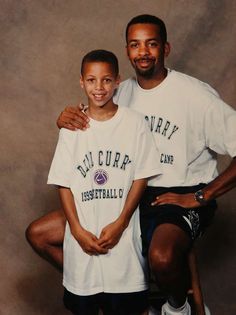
(111, 234)
(73, 118)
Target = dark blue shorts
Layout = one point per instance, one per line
(134, 303)
(193, 221)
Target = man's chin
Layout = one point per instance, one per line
(145, 73)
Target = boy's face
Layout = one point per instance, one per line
(99, 82)
(145, 49)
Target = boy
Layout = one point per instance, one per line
(101, 173)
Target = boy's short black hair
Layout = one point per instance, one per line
(148, 19)
(101, 55)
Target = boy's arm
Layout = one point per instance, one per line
(86, 239)
(73, 118)
(112, 233)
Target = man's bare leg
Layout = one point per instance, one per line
(46, 236)
(168, 261)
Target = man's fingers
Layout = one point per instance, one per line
(74, 121)
(81, 107)
(70, 109)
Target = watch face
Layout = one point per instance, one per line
(199, 196)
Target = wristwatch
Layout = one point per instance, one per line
(199, 197)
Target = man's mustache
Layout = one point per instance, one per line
(144, 59)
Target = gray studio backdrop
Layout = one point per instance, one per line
(42, 42)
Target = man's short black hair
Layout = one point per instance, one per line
(101, 55)
(148, 19)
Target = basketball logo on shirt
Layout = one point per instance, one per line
(100, 177)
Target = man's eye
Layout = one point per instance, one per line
(107, 80)
(90, 80)
(152, 44)
(133, 45)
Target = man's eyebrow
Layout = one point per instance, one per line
(147, 40)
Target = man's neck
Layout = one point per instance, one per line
(152, 82)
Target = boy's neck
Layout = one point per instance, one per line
(102, 113)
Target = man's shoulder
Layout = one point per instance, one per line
(190, 83)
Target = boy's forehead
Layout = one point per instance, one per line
(94, 67)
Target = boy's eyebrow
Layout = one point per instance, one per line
(104, 75)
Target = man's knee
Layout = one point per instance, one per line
(47, 230)
(161, 261)
(33, 234)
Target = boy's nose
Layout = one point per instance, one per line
(99, 85)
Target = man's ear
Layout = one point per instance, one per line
(167, 49)
(81, 82)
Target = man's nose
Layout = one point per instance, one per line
(143, 50)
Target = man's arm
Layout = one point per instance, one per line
(87, 240)
(112, 233)
(219, 186)
(73, 118)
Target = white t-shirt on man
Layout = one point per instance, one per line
(190, 124)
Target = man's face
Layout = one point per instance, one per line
(145, 49)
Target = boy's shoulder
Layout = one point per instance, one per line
(133, 114)
(133, 118)
(68, 136)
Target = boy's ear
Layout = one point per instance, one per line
(118, 80)
(81, 82)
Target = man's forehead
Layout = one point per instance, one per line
(143, 31)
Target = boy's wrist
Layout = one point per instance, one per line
(123, 221)
(76, 230)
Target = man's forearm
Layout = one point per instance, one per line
(222, 183)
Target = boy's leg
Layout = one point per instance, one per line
(82, 305)
(46, 236)
(135, 303)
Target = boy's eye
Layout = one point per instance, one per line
(107, 80)
(90, 80)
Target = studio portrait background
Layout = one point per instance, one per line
(42, 42)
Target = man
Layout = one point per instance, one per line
(190, 124)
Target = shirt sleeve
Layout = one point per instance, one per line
(61, 168)
(147, 157)
(220, 127)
